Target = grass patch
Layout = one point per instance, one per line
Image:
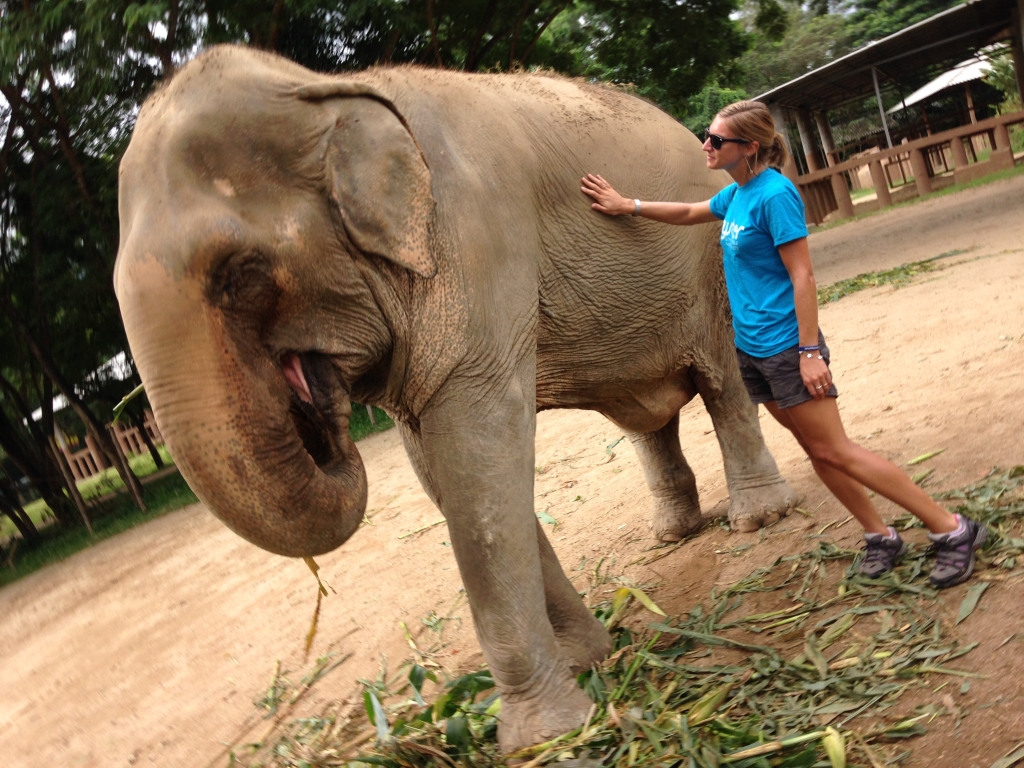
(896, 277)
(108, 481)
(108, 518)
(801, 663)
(1008, 173)
(101, 484)
(360, 426)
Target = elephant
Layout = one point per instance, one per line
(291, 242)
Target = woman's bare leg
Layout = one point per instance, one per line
(820, 431)
(848, 491)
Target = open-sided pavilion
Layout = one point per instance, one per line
(926, 48)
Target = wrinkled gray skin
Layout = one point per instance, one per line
(419, 239)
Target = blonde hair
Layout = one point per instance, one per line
(752, 121)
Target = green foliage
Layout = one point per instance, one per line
(703, 107)
(1001, 76)
(728, 683)
(360, 426)
(875, 19)
(811, 41)
(897, 277)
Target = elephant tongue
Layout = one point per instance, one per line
(291, 366)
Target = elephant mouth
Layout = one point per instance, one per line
(319, 406)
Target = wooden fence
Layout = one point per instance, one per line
(90, 460)
(828, 190)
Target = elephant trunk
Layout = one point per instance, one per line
(237, 431)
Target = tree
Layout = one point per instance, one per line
(811, 41)
(874, 19)
(1002, 76)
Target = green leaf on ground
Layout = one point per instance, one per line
(924, 457)
(970, 602)
(545, 518)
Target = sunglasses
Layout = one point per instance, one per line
(717, 141)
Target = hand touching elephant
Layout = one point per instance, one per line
(417, 239)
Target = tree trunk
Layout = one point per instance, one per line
(139, 420)
(39, 471)
(533, 43)
(69, 479)
(11, 506)
(472, 58)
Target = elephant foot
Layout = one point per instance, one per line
(758, 506)
(584, 643)
(673, 520)
(540, 716)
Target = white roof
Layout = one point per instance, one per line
(966, 71)
(116, 367)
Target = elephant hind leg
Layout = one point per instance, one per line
(758, 495)
(582, 639)
(676, 505)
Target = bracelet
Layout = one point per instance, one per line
(636, 203)
(815, 348)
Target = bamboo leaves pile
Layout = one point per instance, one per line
(817, 680)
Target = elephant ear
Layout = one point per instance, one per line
(379, 178)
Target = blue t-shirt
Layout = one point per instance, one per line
(763, 214)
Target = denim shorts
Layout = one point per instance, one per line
(778, 377)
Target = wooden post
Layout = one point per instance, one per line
(828, 144)
(779, 116)
(803, 123)
(134, 488)
(970, 103)
(956, 146)
(65, 470)
(1002, 137)
(76, 471)
(920, 168)
(98, 457)
(881, 188)
(1002, 152)
(369, 412)
(842, 193)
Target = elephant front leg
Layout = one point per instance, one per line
(758, 495)
(676, 506)
(480, 455)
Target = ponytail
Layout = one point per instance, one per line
(774, 155)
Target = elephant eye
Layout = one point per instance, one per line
(243, 283)
(227, 292)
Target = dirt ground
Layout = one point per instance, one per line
(149, 648)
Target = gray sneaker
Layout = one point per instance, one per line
(954, 552)
(881, 553)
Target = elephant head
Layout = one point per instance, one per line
(253, 198)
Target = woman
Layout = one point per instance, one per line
(782, 353)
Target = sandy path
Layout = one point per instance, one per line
(149, 648)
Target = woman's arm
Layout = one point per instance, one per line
(796, 255)
(607, 200)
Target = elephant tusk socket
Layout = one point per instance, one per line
(291, 366)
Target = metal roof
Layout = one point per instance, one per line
(964, 72)
(932, 44)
